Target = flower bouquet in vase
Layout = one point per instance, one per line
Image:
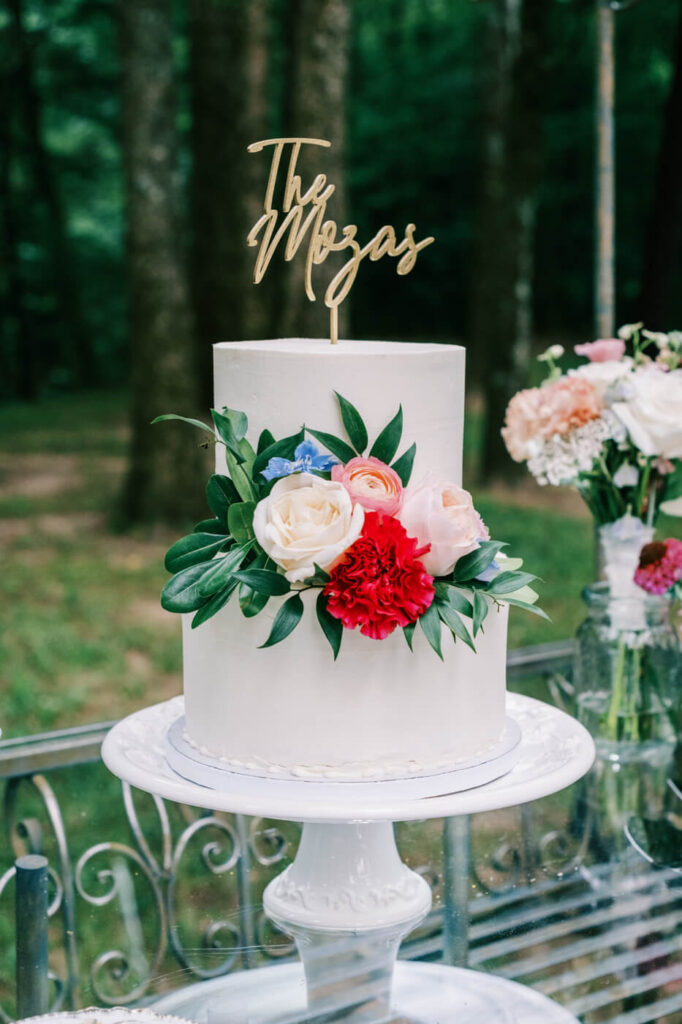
(612, 428)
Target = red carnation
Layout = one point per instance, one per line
(380, 582)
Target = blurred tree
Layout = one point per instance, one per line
(315, 107)
(228, 69)
(163, 480)
(77, 351)
(503, 284)
(17, 330)
(661, 254)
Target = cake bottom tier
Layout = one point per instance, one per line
(378, 711)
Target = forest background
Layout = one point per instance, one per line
(126, 193)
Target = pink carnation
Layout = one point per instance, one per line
(660, 566)
(603, 350)
(536, 414)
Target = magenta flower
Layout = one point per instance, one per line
(660, 566)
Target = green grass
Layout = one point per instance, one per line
(92, 421)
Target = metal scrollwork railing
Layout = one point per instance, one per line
(120, 911)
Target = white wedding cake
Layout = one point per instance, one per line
(379, 710)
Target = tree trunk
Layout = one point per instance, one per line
(164, 478)
(503, 290)
(80, 354)
(663, 237)
(19, 339)
(317, 88)
(228, 78)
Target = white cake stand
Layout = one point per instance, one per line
(347, 899)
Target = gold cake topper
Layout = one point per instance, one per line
(297, 221)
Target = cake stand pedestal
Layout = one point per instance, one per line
(347, 899)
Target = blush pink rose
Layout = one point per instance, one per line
(536, 414)
(371, 484)
(603, 350)
(441, 514)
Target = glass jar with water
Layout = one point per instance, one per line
(628, 675)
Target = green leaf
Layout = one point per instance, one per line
(220, 493)
(214, 604)
(480, 610)
(283, 449)
(319, 577)
(472, 565)
(240, 520)
(210, 526)
(331, 626)
(448, 593)
(335, 445)
(265, 440)
(508, 582)
(527, 607)
(222, 569)
(455, 624)
(286, 620)
(181, 593)
(223, 425)
(240, 423)
(430, 625)
(251, 601)
(386, 445)
(185, 419)
(408, 632)
(353, 423)
(192, 549)
(403, 465)
(673, 484)
(240, 480)
(265, 581)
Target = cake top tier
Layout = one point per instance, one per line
(284, 383)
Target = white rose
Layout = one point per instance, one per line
(306, 520)
(603, 375)
(652, 413)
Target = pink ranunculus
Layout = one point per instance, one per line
(603, 350)
(536, 414)
(442, 514)
(371, 484)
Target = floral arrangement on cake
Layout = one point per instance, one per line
(291, 516)
(611, 427)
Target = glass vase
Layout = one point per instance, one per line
(627, 675)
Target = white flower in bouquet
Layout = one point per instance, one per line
(563, 458)
(605, 375)
(626, 476)
(652, 412)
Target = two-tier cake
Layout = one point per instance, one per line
(380, 709)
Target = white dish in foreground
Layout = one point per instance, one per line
(428, 993)
(554, 752)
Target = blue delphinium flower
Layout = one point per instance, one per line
(490, 573)
(307, 459)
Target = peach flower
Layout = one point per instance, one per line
(371, 484)
(603, 350)
(441, 514)
(536, 414)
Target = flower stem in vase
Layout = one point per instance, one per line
(617, 693)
